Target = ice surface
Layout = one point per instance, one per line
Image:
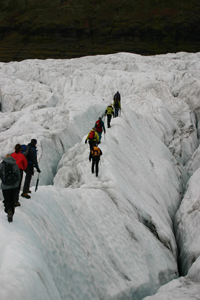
(111, 237)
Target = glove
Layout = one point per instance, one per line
(38, 170)
(85, 141)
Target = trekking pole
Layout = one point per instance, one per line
(37, 182)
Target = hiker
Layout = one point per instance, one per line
(22, 163)
(32, 162)
(117, 106)
(109, 112)
(99, 125)
(95, 154)
(10, 177)
(92, 137)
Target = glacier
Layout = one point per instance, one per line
(131, 233)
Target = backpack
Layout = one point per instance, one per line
(9, 175)
(98, 126)
(116, 103)
(96, 151)
(91, 135)
(26, 151)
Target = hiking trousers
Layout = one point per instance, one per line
(100, 134)
(109, 119)
(91, 143)
(10, 196)
(116, 111)
(29, 172)
(95, 162)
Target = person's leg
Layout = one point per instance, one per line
(96, 166)
(91, 145)
(116, 112)
(9, 200)
(99, 133)
(93, 165)
(29, 173)
(109, 119)
(7, 196)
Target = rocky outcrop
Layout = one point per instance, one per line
(67, 29)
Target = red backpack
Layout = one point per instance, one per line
(98, 126)
(91, 135)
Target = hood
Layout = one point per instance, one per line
(10, 160)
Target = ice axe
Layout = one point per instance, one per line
(37, 182)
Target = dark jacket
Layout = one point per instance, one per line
(32, 155)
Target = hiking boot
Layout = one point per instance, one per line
(10, 216)
(29, 191)
(25, 196)
(17, 204)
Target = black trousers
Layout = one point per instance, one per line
(108, 120)
(9, 199)
(91, 143)
(95, 162)
(29, 173)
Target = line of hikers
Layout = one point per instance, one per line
(24, 159)
(95, 135)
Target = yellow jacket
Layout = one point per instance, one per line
(96, 136)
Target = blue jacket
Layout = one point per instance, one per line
(32, 157)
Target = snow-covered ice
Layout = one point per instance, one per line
(131, 233)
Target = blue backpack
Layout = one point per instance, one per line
(26, 151)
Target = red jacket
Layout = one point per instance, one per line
(21, 160)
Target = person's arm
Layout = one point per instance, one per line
(87, 137)
(35, 163)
